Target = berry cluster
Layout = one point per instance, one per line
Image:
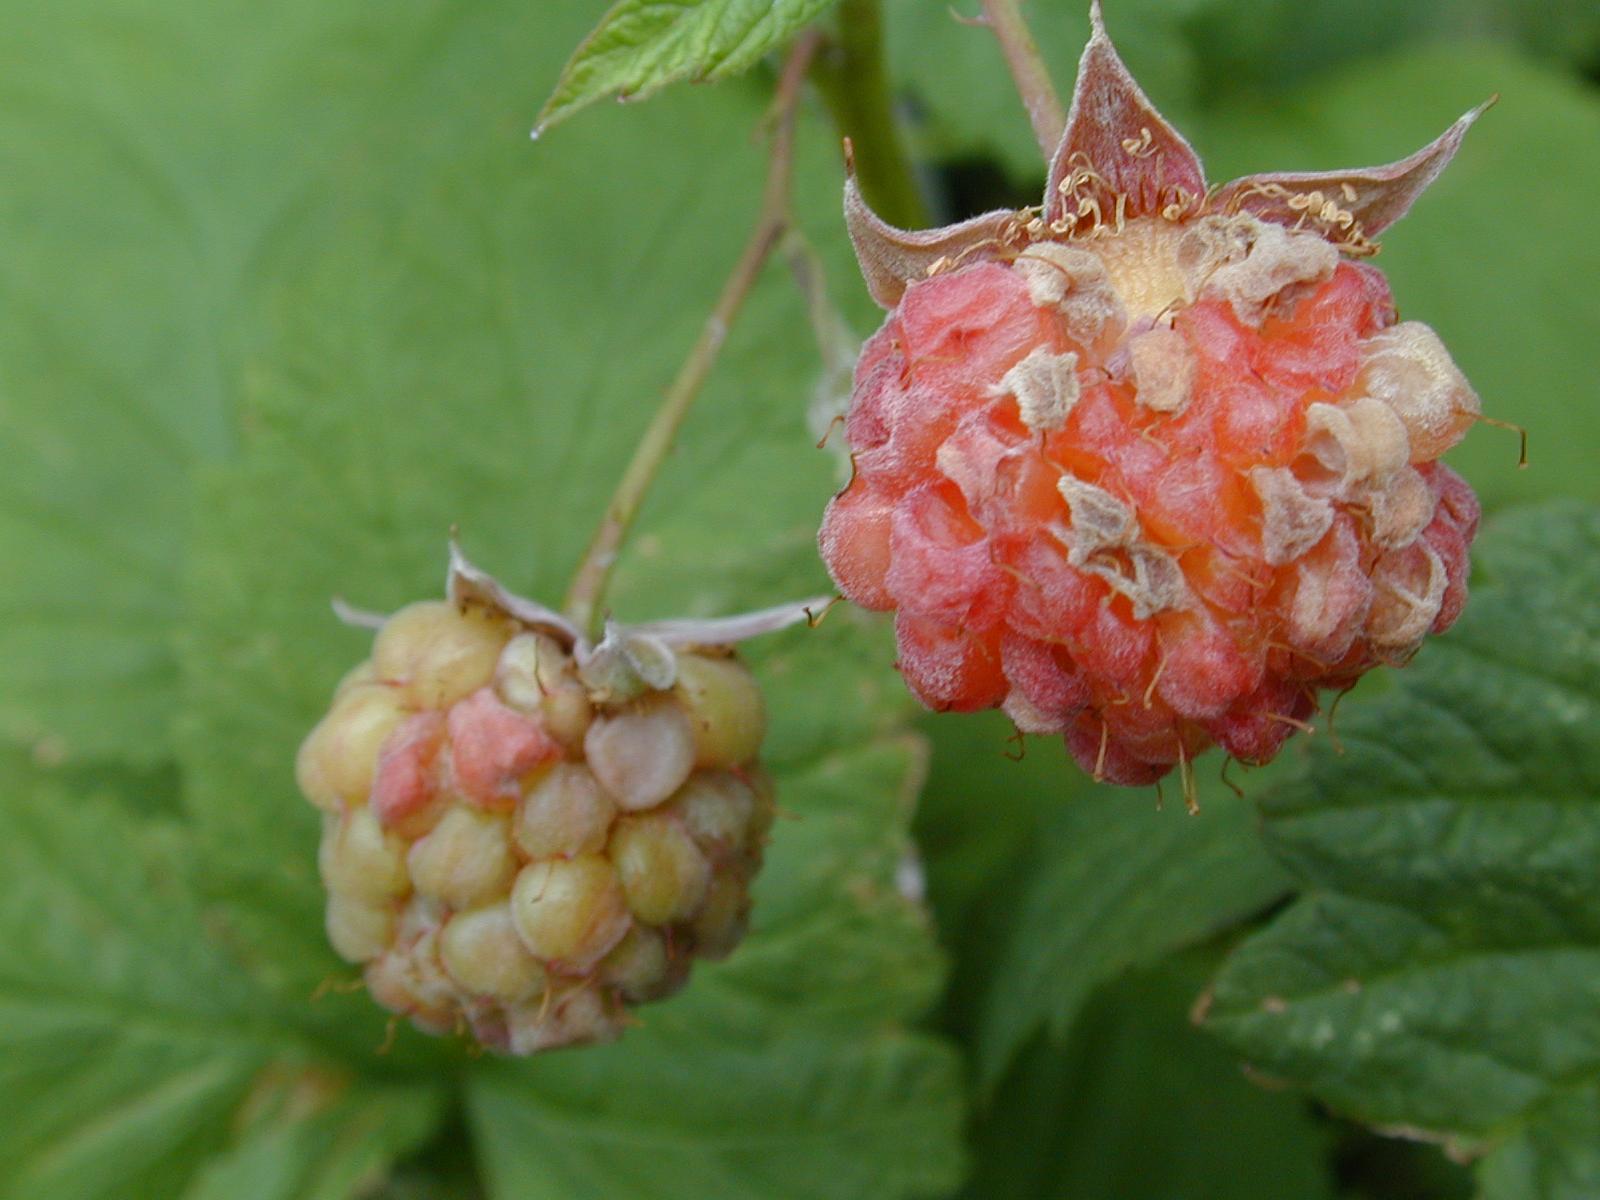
(1150, 465)
(523, 841)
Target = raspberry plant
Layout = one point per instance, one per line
(283, 299)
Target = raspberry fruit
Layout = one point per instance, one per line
(1149, 465)
(525, 834)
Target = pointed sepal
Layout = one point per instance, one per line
(469, 584)
(1118, 157)
(1348, 206)
(892, 258)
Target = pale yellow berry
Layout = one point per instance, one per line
(569, 910)
(727, 715)
(720, 924)
(640, 966)
(358, 930)
(438, 651)
(717, 808)
(642, 754)
(362, 672)
(565, 812)
(358, 858)
(480, 950)
(466, 859)
(536, 676)
(337, 760)
(663, 872)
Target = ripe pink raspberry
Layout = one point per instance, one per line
(524, 834)
(1151, 464)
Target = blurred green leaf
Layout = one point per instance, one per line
(640, 46)
(1139, 1105)
(1442, 975)
(1051, 885)
(149, 155)
(130, 1047)
(342, 1150)
(1113, 881)
(473, 330)
(1245, 46)
(1477, 256)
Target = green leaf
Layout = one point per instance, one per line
(688, 1110)
(340, 1150)
(130, 1046)
(1139, 1105)
(640, 46)
(1114, 881)
(1070, 883)
(1475, 257)
(148, 157)
(1442, 974)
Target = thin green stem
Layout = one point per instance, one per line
(587, 593)
(854, 81)
(1028, 71)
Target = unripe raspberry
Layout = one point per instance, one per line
(663, 873)
(727, 716)
(359, 930)
(526, 833)
(536, 676)
(642, 966)
(481, 951)
(440, 652)
(565, 812)
(465, 859)
(361, 859)
(336, 762)
(720, 924)
(569, 910)
(642, 754)
(1150, 465)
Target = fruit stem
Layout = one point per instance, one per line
(587, 592)
(854, 82)
(1028, 72)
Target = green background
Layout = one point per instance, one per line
(287, 292)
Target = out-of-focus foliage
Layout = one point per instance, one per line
(286, 293)
(1077, 1120)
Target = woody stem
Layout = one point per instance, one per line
(1027, 67)
(587, 591)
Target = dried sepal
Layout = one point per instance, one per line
(1118, 157)
(1352, 205)
(727, 631)
(469, 584)
(1119, 160)
(891, 258)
